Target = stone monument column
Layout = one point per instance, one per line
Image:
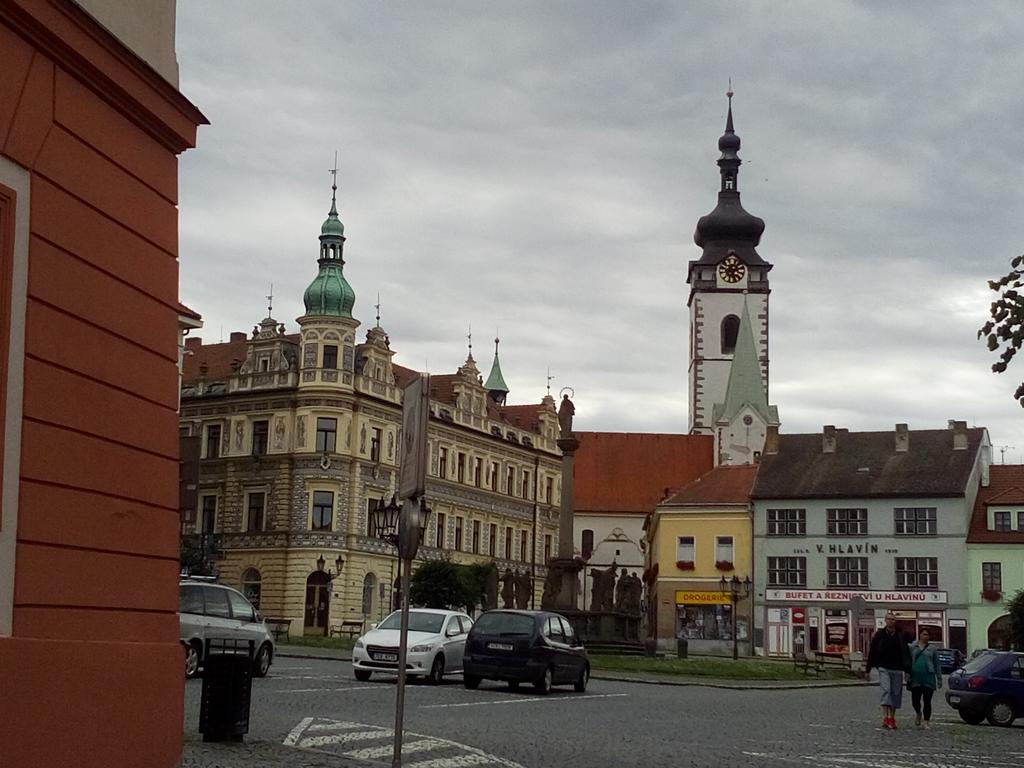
(560, 589)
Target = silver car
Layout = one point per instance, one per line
(213, 611)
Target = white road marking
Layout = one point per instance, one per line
(293, 736)
(324, 690)
(408, 748)
(895, 759)
(458, 761)
(521, 700)
(344, 738)
(334, 725)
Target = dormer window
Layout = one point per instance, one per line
(264, 364)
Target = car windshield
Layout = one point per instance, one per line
(505, 624)
(419, 621)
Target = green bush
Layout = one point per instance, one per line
(444, 584)
(1016, 609)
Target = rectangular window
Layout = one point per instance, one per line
(255, 512)
(212, 441)
(847, 571)
(260, 433)
(492, 540)
(1020, 521)
(549, 490)
(508, 543)
(547, 548)
(326, 435)
(787, 571)
(522, 546)
(323, 510)
(478, 468)
(915, 521)
(441, 540)
(787, 522)
(1001, 521)
(723, 549)
(586, 543)
(476, 536)
(992, 577)
(510, 481)
(208, 523)
(330, 356)
(375, 435)
(686, 550)
(917, 572)
(460, 467)
(458, 534)
(494, 476)
(442, 462)
(526, 484)
(847, 522)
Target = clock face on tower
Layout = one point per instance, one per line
(731, 270)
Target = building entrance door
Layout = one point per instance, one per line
(318, 603)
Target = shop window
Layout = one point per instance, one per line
(915, 521)
(787, 522)
(917, 572)
(847, 571)
(708, 622)
(252, 586)
(847, 522)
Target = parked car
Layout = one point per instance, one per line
(990, 686)
(949, 659)
(213, 611)
(437, 640)
(536, 647)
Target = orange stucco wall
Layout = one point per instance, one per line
(91, 673)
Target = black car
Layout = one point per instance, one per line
(990, 686)
(949, 659)
(536, 647)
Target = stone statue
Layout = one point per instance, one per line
(391, 444)
(301, 431)
(508, 589)
(602, 590)
(565, 414)
(362, 439)
(239, 433)
(552, 589)
(491, 588)
(279, 432)
(622, 587)
(524, 588)
(633, 592)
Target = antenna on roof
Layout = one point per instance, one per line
(377, 307)
(550, 379)
(470, 337)
(270, 301)
(1002, 452)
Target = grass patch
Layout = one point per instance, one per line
(711, 667)
(319, 641)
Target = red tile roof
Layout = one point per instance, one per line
(183, 310)
(218, 358)
(631, 472)
(722, 485)
(1005, 487)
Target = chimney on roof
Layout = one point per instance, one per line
(828, 439)
(238, 336)
(771, 439)
(959, 434)
(193, 342)
(902, 438)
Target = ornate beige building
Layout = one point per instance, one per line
(300, 435)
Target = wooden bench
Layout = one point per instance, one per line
(350, 627)
(821, 662)
(278, 627)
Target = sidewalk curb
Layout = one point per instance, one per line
(752, 685)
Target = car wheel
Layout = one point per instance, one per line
(436, 670)
(362, 675)
(513, 685)
(472, 682)
(1000, 712)
(970, 716)
(261, 665)
(581, 682)
(191, 660)
(543, 685)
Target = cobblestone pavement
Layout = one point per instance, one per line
(309, 704)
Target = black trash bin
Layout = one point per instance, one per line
(227, 689)
(682, 647)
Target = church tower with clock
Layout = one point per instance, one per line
(728, 302)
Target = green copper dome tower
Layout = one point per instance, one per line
(330, 295)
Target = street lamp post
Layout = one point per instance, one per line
(402, 527)
(737, 590)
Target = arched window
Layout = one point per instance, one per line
(369, 587)
(587, 544)
(730, 330)
(252, 586)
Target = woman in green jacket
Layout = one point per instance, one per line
(925, 677)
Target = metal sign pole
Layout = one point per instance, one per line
(404, 567)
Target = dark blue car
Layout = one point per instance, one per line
(989, 687)
(949, 659)
(537, 647)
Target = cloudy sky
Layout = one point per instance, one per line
(537, 170)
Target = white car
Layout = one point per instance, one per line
(437, 640)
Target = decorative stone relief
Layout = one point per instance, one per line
(362, 439)
(391, 445)
(300, 438)
(279, 432)
(309, 354)
(239, 434)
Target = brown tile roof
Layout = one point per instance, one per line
(183, 310)
(1005, 487)
(722, 485)
(631, 472)
(866, 464)
(522, 416)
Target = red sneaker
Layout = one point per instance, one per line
(892, 723)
